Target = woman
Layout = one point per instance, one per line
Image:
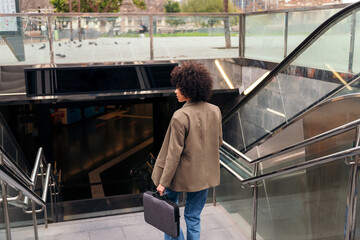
(188, 160)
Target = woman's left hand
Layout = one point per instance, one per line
(160, 189)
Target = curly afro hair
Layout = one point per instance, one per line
(193, 80)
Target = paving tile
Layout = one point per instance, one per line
(73, 235)
(116, 233)
(142, 232)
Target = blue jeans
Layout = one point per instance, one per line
(195, 202)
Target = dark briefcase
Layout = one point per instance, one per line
(161, 213)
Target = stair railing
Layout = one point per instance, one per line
(254, 177)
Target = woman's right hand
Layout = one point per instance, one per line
(160, 189)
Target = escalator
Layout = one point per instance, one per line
(293, 141)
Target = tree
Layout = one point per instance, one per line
(206, 6)
(172, 7)
(212, 6)
(94, 5)
(227, 24)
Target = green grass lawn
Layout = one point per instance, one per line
(178, 34)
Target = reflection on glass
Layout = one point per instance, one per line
(100, 39)
(356, 55)
(2, 224)
(301, 24)
(299, 204)
(332, 48)
(264, 37)
(194, 37)
(12, 149)
(314, 75)
(237, 200)
(243, 169)
(27, 46)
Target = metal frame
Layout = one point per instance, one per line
(40, 162)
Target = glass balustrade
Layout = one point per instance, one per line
(100, 39)
(264, 36)
(2, 222)
(357, 219)
(307, 204)
(315, 74)
(237, 200)
(301, 24)
(356, 54)
(105, 38)
(195, 37)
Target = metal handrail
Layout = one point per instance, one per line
(243, 156)
(325, 135)
(311, 163)
(322, 136)
(39, 163)
(13, 181)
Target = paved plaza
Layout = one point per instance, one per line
(121, 49)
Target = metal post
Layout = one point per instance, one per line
(352, 42)
(52, 202)
(255, 204)
(42, 175)
(241, 35)
(352, 198)
(214, 197)
(286, 33)
(79, 20)
(71, 26)
(51, 43)
(151, 33)
(5, 208)
(34, 219)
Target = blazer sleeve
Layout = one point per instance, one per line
(175, 149)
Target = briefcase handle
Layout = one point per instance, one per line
(157, 195)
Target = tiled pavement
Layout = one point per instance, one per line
(216, 224)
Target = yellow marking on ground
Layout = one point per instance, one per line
(136, 116)
(111, 115)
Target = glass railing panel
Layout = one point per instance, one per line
(100, 39)
(263, 113)
(316, 74)
(236, 163)
(194, 37)
(302, 87)
(356, 55)
(264, 36)
(12, 149)
(357, 218)
(317, 150)
(308, 204)
(237, 199)
(29, 45)
(330, 51)
(2, 221)
(232, 132)
(301, 24)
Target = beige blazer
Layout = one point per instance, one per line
(188, 160)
